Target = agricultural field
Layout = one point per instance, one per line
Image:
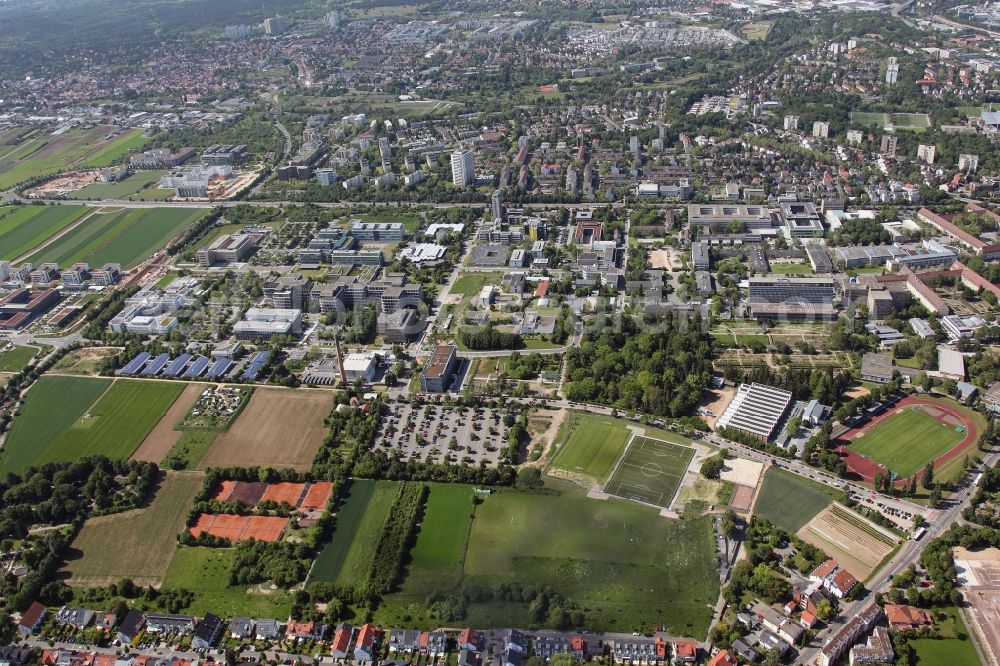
(44, 154)
(593, 446)
(855, 542)
(14, 359)
(112, 425)
(164, 435)
(907, 440)
(643, 570)
(38, 422)
(205, 571)
(439, 550)
(134, 184)
(84, 361)
(278, 428)
(136, 544)
(123, 235)
(23, 228)
(788, 501)
(651, 471)
(346, 558)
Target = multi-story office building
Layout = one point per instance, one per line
(437, 374)
(378, 232)
(228, 249)
(267, 323)
(275, 25)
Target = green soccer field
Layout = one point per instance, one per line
(907, 441)
(594, 445)
(870, 118)
(789, 501)
(91, 419)
(651, 471)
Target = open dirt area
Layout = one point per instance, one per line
(84, 361)
(163, 436)
(742, 472)
(855, 543)
(742, 498)
(979, 580)
(665, 259)
(61, 186)
(857, 392)
(279, 428)
(714, 403)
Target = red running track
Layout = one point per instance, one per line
(867, 468)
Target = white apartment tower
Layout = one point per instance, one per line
(463, 168)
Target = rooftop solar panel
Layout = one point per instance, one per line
(156, 365)
(220, 368)
(133, 366)
(177, 365)
(197, 367)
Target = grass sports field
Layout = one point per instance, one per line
(346, 558)
(23, 228)
(15, 359)
(907, 441)
(789, 502)
(955, 646)
(125, 236)
(136, 544)
(593, 446)
(278, 428)
(914, 121)
(205, 571)
(642, 570)
(91, 419)
(651, 471)
(869, 118)
(42, 154)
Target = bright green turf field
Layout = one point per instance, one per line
(907, 441)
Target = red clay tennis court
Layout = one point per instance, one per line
(240, 528)
(284, 492)
(317, 496)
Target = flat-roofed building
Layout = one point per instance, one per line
(876, 368)
(267, 323)
(699, 256)
(228, 249)
(378, 232)
(951, 364)
(858, 256)
(437, 374)
(757, 410)
(792, 299)
(801, 219)
(725, 217)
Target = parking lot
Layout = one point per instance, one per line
(434, 433)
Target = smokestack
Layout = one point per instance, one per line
(340, 360)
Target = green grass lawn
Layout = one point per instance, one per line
(38, 423)
(870, 118)
(205, 571)
(25, 227)
(788, 501)
(470, 284)
(905, 442)
(131, 185)
(346, 558)
(594, 445)
(623, 564)
(955, 648)
(125, 236)
(911, 120)
(114, 426)
(18, 357)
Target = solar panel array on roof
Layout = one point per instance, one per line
(197, 367)
(177, 365)
(133, 366)
(156, 365)
(257, 361)
(220, 368)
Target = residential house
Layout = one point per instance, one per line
(14, 655)
(547, 647)
(364, 647)
(877, 650)
(78, 618)
(722, 658)
(207, 631)
(341, 647)
(267, 629)
(907, 618)
(578, 647)
(685, 651)
(306, 631)
(170, 624)
(131, 626)
(471, 639)
(404, 640)
(241, 628)
(433, 643)
(743, 649)
(512, 658)
(32, 619)
(834, 578)
(469, 658)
